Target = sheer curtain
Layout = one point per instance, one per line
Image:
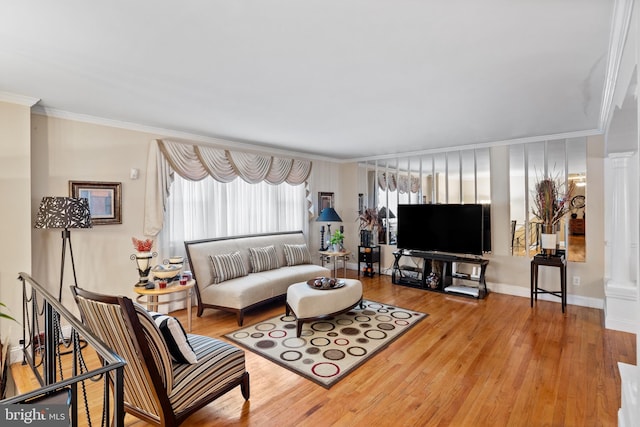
(209, 208)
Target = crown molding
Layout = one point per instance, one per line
(187, 137)
(621, 21)
(13, 98)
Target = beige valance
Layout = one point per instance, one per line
(402, 182)
(196, 162)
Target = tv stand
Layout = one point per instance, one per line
(437, 273)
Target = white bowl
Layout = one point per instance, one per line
(176, 260)
(166, 271)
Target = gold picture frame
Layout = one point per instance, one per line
(105, 200)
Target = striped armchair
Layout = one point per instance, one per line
(156, 388)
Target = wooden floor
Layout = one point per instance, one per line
(491, 362)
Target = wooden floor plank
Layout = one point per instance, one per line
(490, 362)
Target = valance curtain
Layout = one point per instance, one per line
(402, 183)
(194, 162)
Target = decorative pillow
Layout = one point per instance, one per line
(227, 266)
(175, 337)
(297, 254)
(263, 259)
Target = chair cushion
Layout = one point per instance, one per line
(175, 337)
(227, 266)
(296, 254)
(219, 363)
(264, 259)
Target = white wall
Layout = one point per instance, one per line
(65, 150)
(15, 223)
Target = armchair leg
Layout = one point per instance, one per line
(244, 386)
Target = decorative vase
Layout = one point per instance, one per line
(143, 262)
(548, 239)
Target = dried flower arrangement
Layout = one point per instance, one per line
(552, 200)
(142, 245)
(369, 219)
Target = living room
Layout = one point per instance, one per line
(45, 148)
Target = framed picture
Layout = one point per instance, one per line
(325, 200)
(105, 200)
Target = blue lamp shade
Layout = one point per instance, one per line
(329, 215)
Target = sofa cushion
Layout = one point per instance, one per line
(227, 266)
(297, 254)
(175, 337)
(264, 259)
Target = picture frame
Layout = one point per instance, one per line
(105, 200)
(325, 200)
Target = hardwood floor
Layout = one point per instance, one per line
(491, 362)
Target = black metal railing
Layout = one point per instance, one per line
(61, 353)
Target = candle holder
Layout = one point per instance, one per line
(143, 262)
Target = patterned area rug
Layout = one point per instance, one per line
(328, 349)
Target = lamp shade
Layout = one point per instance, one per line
(63, 212)
(329, 215)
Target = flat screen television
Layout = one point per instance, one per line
(451, 228)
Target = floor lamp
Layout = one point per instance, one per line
(64, 213)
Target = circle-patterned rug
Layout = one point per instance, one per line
(328, 349)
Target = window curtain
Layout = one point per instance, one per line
(194, 163)
(209, 208)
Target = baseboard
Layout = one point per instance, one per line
(519, 291)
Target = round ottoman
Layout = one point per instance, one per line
(308, 303)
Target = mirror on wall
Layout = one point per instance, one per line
(565, 162)
(577, 173)
(448, 177)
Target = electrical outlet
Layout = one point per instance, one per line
(576, 280)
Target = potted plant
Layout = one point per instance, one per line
(551, 202)
(336, 240)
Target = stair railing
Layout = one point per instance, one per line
(56, 356)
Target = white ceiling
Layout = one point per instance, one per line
(345, 79)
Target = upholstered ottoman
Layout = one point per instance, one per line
(308, 303)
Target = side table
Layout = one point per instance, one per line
(335, 255)
(368, 255)
(151, 296)
(553, 261)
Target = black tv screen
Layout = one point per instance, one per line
(453, 228)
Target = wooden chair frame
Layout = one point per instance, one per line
(167, 415)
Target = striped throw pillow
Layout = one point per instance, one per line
(175, 337)
(227, 266)
(263, 259)
(297, 254)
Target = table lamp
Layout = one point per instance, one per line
(327, 215)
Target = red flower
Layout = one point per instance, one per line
(142, 245)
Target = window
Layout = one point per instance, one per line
(208, 208)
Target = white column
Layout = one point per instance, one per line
(620, 237)
(621, 291)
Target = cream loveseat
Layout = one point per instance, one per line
(219, 266)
